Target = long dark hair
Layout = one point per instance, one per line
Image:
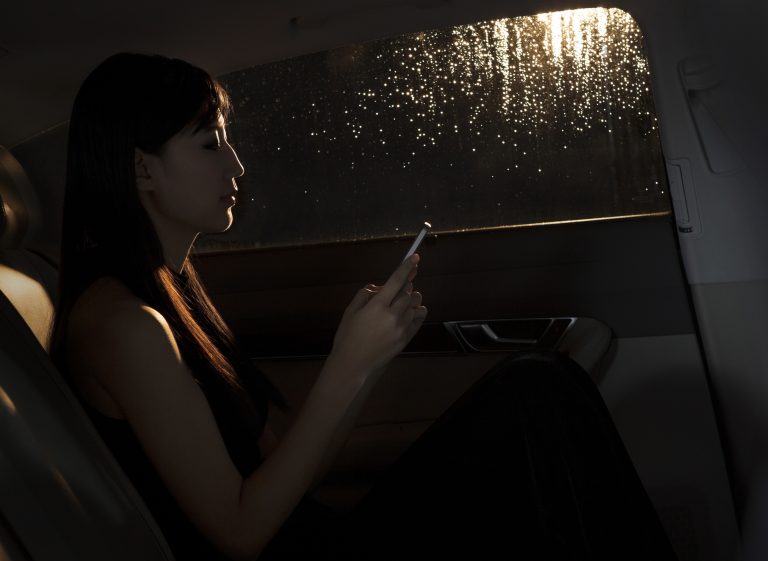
(140, 101)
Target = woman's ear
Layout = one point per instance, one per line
(143, 177)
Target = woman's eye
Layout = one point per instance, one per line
(213, 146)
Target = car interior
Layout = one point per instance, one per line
(642, 258)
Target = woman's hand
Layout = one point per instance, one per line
(379, 322)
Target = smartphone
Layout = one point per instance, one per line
(417, 242)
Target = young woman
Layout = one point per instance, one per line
(526, 465)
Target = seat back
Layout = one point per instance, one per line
(62, 492)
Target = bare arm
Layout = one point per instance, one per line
(321, 427)
(343, 431)
(352, 413)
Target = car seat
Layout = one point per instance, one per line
(63, 496)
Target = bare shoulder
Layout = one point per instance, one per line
(107, 322)
(108, 307)
(123, 329)
(96, 303)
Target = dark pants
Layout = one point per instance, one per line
(526, 465)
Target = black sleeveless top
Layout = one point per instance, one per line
(304, 532)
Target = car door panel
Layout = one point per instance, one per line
(622, 279)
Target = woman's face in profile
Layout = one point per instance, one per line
(190, 181)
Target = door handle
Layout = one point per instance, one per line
(503, 340)
(498, 335)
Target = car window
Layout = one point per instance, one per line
(496, 124)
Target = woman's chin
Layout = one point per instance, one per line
(223, 224)
(227, 226)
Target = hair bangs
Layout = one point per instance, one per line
(214, 107)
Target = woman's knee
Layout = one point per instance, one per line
(545, 373)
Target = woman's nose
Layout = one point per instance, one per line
(237, 169)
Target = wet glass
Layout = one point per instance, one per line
(503, 123)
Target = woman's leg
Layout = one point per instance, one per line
(527, 464)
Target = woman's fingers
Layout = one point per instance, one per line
(394, 285)
(358, 301)
(373, 289)
(416, 297)
(419, 314)
(404, 300)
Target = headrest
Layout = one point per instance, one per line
(20, 211)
